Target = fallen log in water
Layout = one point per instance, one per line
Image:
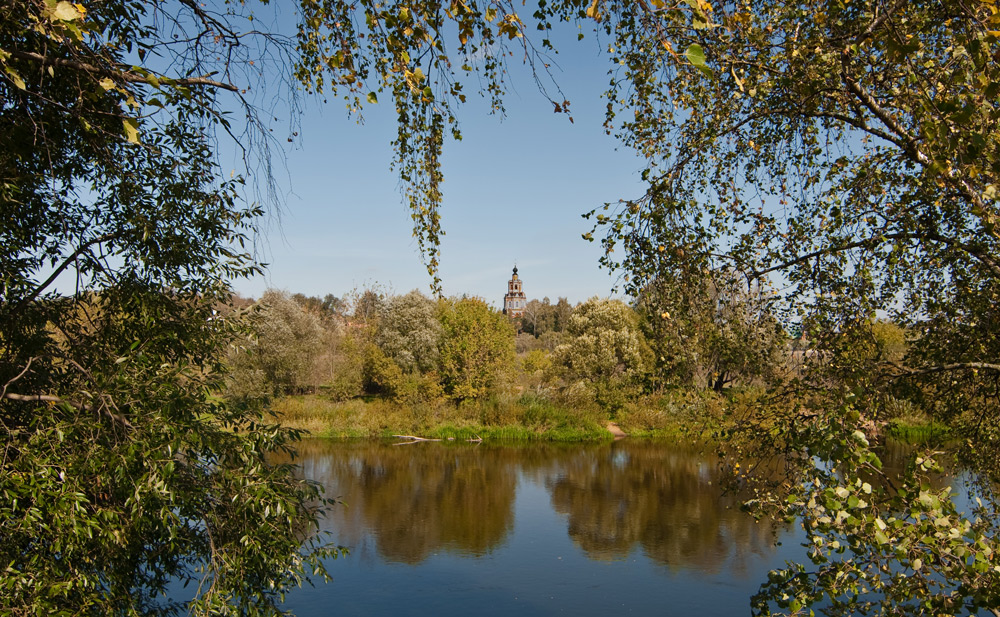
(415, 439)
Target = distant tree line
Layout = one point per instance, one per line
(404, 347)
(716, 334)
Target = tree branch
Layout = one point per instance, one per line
(123, 74)
(19, 375)
(33, 398)
(909, 144)
(210, 21)
(958, 366)
(51, 398)
(981, 255)
(858, 123)
(65, 264)
(879, 20)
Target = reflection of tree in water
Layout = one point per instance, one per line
(457, 498)
(420, 498)
(664, 498)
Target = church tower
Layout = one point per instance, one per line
(514, 301)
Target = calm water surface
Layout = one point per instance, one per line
(455, 529)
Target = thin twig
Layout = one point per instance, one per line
(20, 375)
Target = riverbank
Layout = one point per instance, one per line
(525, 418)
(679, 414)
(521, 419)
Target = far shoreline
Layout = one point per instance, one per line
(694, 416)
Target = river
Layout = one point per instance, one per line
(628, 527)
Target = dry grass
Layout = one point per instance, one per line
(672, 413)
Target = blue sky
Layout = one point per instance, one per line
(514, 190)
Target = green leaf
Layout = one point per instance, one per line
(696, 56)
(696, 7)
(372, 98)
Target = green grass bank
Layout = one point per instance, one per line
(681, 414)
(524, 418)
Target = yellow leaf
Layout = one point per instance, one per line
(15, 77)
(739, 82)
(107, 83)
(65, 11)
(131, 129)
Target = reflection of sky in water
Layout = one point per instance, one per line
(619, 459)
(590, 530)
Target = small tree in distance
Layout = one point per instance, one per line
(277, 357)
(605, 354)
(717, 328)
(477, 348)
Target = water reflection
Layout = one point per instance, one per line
(418, 502)
(417, 499)
(413, 501)
(451, 529)
(665, 499)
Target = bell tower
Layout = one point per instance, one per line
(514, 301)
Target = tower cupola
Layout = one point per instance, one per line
(514, 302)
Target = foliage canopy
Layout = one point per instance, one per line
(847, 153)
(122, 473)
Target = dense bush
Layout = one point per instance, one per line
(477, 348)
(279, 353)
(606, 355)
